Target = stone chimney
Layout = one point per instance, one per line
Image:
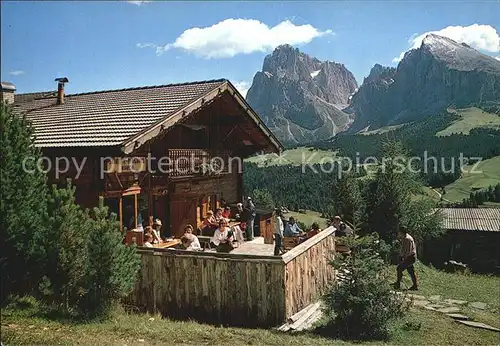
(8, 91)
(60, 89)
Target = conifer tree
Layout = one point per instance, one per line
(113, 267)
(391, 205)
(347, 198)
(67, 249)
(89, 267)
(361, 306)
(22, 205)
(263, 198)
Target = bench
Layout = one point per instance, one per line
(205, 242)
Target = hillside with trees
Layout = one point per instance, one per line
(312, 188)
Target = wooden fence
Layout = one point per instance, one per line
(234, 289)
(307, 271)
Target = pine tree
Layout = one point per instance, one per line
(22, 206)
(361, 305)
(389, 194)
(67, 248)
(497, 193)
(390, 205)
(347, 199)
(112, 268)
(263, 198)
(89, 267)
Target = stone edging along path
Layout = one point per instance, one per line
(451, 308)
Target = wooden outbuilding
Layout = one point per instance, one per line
(472, 237)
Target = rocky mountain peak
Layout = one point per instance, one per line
(302, 94)
(379, 72)
(456, 55)
(440, 73)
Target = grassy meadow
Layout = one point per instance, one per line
(383, 129)
(308, 217)
(27, 322)
(471, 118)
(468, 182)
(469, 287)
(295, 157)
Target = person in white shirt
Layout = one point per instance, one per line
(156, 231)
(195, 245)
(223, 237)
(408, 257)
(238, 234)
(188, 242)
(278, 232)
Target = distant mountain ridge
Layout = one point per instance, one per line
(440, 73)
(300, 97)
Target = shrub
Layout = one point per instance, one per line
(361, 305)
(303, 226)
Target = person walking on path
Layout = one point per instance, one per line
(407, 259)
(278, 232)
(251, 220)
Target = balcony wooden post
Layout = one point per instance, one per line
(121, 214)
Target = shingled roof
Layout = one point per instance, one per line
(471, 219)
(125, 117)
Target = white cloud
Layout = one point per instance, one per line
(482, 37)
(242, 87)
(240, 36)
(139, 3)
(16, 73)
(146, 45)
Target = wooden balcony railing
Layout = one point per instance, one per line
(197, 162)
(181, 163)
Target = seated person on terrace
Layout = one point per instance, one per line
(226, 213)
(240, 213)
(292, 229)
(238, 233)
(218, 214)
(156, 232)
(341, 229)
(147, 240)
(188, 230)
(190, 242)
(223, 237)
(209, 224)
(314, 230)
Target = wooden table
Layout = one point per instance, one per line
(167, 244)
(231, 224)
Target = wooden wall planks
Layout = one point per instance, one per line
(230, 289)
(309, 273)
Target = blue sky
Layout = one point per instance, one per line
(97, 44)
